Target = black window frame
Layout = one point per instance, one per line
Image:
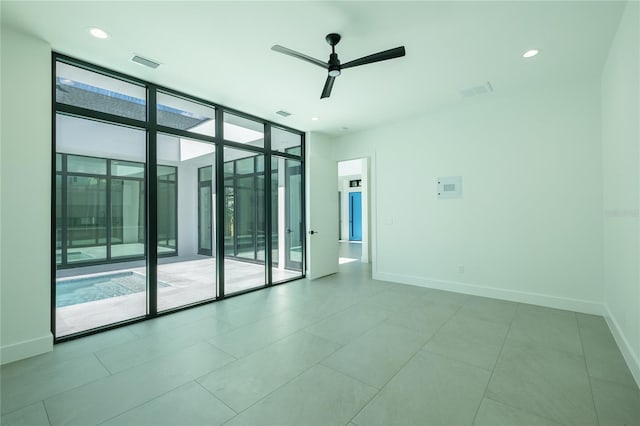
(152, 129)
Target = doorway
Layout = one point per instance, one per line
(353, 212)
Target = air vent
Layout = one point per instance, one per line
(146, 62)
(482, 89)
(283, 113)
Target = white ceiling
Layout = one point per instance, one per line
(220, 51)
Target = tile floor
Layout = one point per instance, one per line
(187, 281)
(343, 350)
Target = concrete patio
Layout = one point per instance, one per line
(187, 282)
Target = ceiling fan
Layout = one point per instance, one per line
(333, 65)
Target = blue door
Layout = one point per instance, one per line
(355, 216)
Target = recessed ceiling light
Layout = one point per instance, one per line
(314, 118)
(98, 33)
(530, 53)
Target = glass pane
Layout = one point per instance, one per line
(205, 222)
(204, 174)
(58, 162)
(167, 210)
(88, 89)
(167, 172)
(244, 223)
(186, 222)
(127, 218)
(275, 220)
(228, 169)
(76, 164)
(286, 203)
(285, 141)
(294, 151)
(127, 169)
(92, 138)
(246, 229)
(260, 217)
(229, 218)
(186, 115)
(245, 166)
(86, 218)
(243, 130)
(100, 222)
(58, 219)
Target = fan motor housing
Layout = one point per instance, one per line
(334, 65)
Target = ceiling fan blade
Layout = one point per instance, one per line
(376, 57)
(328, 85)
(299, 55)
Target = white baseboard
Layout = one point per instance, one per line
(576, 305)
(632, 359)
(26, 349)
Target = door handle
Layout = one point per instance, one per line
(313, 232)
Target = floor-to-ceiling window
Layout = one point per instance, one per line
(139, 228)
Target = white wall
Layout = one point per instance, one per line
(528, 226)
(621, 174)
(188, 204)
(25, 180)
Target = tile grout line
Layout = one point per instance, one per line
(586, 369)
(495, 364)
(143, 403)
(111, 373)
(498, 358)
(378, 390)
(65, 390)
(278, 387)
(46, 412)
(268, 394)
(210, 393)
(398, 371)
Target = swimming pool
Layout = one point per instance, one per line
(82, 290)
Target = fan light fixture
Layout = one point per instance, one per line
(530, 53)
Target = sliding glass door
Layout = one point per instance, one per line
(187, 275)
